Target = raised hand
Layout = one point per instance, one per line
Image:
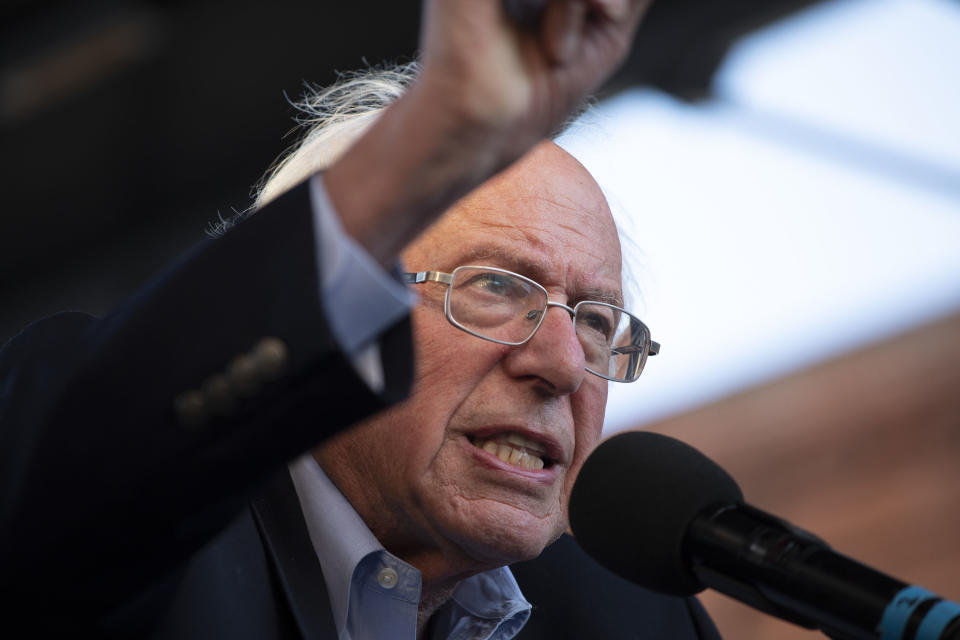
(493, 84)
(519, 67)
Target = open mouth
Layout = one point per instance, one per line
(515, 449)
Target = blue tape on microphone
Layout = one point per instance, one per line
(905, 603)
(937, 619)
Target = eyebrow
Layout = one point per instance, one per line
(533, 270)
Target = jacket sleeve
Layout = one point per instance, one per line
(127, 442)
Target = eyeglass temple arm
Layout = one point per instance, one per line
(427, 276)
(620, 351)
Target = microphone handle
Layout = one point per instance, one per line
(790, 573)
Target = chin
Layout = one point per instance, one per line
(495, 542)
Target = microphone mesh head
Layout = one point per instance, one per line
(633, 501)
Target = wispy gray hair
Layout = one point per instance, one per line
(332, 118)
(335, 117)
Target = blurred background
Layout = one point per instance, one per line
(787, 173)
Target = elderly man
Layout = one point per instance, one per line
(133, 444)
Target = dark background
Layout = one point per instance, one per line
(127, 127)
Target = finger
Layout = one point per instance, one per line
(562, 29)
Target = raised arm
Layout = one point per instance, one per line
(490, 89)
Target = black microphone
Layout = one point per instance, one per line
(661, 514)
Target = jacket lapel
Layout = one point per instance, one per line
(280, 522)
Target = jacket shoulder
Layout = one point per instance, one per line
(574, 597)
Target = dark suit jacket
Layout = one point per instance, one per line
(266, 563)
(118, 518)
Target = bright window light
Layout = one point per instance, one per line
(812, 207)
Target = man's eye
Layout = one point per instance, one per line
(499, 285)
(597, 322)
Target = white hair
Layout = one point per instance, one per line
(334, 118)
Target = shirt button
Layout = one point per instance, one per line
(387, 578)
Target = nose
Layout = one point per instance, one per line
(553, 355)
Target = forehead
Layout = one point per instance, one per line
(544, 217)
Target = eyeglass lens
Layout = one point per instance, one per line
(508, 308)
(496, 305)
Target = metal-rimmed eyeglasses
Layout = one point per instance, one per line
(507, 308)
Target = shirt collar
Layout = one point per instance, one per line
(342, 540)
(487, 605)
(340, 537)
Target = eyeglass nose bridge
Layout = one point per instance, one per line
(543, 313)
(562, 306)
(540, 315)
(534, 313)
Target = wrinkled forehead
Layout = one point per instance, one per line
(545, 217)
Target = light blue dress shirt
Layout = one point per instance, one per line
(374, 594)
(360, 299)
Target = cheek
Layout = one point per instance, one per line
(449, 366)
(448, 360)
(589, 407)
